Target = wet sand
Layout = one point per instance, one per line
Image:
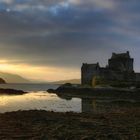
(43, 125)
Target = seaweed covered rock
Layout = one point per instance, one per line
(11, 91)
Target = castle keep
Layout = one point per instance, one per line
(119, 68)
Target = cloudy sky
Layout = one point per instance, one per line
(48, 40)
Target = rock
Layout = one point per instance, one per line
(2, 81)
(43, 125)
(51, 91)
(11, 91)
(69, 90)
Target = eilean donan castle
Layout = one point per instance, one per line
(119, 68)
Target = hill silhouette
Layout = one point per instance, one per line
(13, 78)
(73, 81)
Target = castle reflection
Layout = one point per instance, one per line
(88, 105)
(101, 105)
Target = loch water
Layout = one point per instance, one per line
(38, 98)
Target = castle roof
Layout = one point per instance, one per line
(95, 65)
(120, 55)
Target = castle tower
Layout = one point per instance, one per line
(121, 62)
(88, 71)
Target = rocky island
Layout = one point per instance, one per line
(117, 77)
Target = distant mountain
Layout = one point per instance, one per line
(73, 81)
(13, 78)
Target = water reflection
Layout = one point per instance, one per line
(102, 105)
(61, 103)
(39, 100)
(88, 105)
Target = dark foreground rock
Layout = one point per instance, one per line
(42, 125)
(11, 91)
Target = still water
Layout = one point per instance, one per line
(37, 98)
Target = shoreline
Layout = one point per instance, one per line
(71, 91)
(118, 123)
(39, 124)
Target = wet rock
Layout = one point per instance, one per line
(11, 91)
(41, 125)
(51, 91)
(103, 92)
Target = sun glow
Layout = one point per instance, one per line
(3, 61)
(41, 73)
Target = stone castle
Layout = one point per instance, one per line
(119, 68)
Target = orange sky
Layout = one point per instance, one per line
(40, 73)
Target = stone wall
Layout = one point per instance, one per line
(88, 71)
(138, 77)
